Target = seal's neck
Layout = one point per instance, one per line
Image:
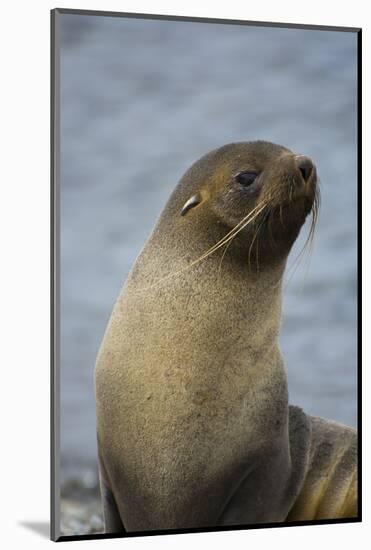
(236, 306)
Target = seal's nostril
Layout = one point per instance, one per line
(305, 166)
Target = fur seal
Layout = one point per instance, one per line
(193, 422)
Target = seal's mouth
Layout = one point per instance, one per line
(298, 195)
(301, 190)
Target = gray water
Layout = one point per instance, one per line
(140, 101)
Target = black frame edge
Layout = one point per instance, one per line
(225, 528)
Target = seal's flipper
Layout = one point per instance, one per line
(330, 487)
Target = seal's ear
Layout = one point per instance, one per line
(193, 201)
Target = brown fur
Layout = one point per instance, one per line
(192, 405)
(329, 490)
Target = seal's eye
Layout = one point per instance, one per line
(246, 178)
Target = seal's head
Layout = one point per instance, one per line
(261, 192)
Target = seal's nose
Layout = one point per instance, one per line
(305, 165)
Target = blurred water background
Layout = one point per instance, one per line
(140, 101)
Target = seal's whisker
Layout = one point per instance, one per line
(252, 244)
(222, 258)
(300, 255)
(273, 242)
(245, 221)
(308, 245)
(226, 248)
(231, 236)
(257, 253)
(233, 231)
(269, 199)
(270, 206)
(256, 237)
(315, 209)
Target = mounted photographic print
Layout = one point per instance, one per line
(206, 199)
